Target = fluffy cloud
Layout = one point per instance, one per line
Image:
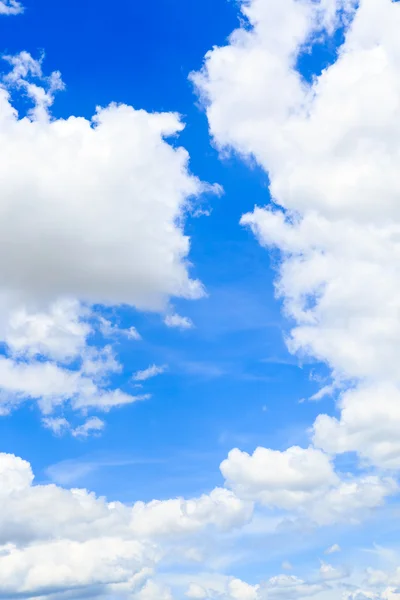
(369, 424)
(59, 333)
(52, 386)
(231, 589)
(331, 150)
(285, 479)
(304, 481)
(54, 539)
(221, 508)
(281, 586)
(93, 211)
(109, 197)
(177, 321)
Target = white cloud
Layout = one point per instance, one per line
(53, 540)
(229, 588)
(100, 206)
(368, 424)
(58, 425)
(154, 591)
(304, 482)
(59, 333)
(109, 330)
(92, 425)
(149, 373)
(220, 508)
(109, 197)
(331, 150)
(285, 479)
(290, 587)
(11, 7)
(225, 588)
(328, 572)
(178, 322)
(52, 386)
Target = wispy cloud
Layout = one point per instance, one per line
(70, 472)
(149, 373)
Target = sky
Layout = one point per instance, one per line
(200, 300)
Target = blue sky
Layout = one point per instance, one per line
(246, 425)
(223, 373)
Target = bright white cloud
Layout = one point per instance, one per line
(285, 479)
(220, 508)
(303, 481)
(109, 198)
(53, 540)
(369, 424)
(100, 207)
(52, 386)
(59, 333)
(331, 150)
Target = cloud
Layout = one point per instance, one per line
(58, 425)
(368, 424)
(59, 333)
(92, 425)
(330, 573)
(178, 322)
(333, 549)
(304, 482)
(281, 586)
(82, 200)
(330, 147)
(55, 540)
(284, 479)
(52, 386)
(109, 194)
(109, 330)
(149, 373)
(11, 7)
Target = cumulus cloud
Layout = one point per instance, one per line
(93, 212)
(52, 386)
(284, 479)
(281, 586)
(304, 481)
(59, 333)
(109, 197)
(53, 539)
(330, 147)
(368, 424)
